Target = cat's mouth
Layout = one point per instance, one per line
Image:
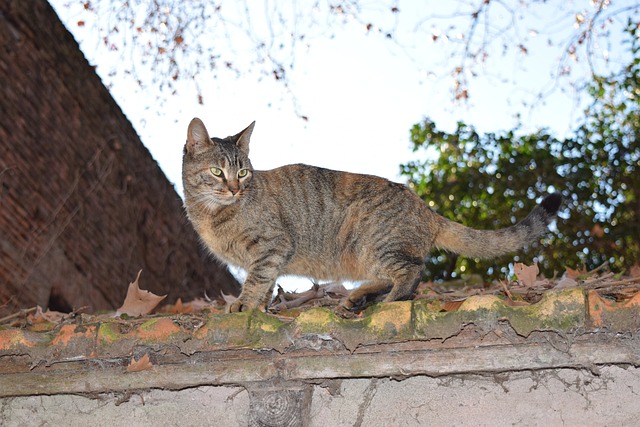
(228, 197)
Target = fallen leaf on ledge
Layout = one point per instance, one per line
(228, 299)
(141, 364)
(526, 273)
(566, 282)
(574, 274)
(452, 305)
(635, 270)
(515, 303)
(46, 316)
(138, 302)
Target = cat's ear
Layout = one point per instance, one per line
(197, 137)
(242, 139)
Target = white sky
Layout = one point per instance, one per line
(361, 94)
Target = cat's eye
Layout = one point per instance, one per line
(242, 173)
(216, 171)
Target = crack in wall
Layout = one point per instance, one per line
(369, 394)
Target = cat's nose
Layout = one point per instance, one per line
(234, 190)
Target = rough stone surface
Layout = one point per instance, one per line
(83, 206)
(527, 398)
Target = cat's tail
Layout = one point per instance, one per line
(470, 242)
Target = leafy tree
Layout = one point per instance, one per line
(492, 180)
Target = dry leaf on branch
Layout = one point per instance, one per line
(526, 273)
(138, 302)
(141, 364)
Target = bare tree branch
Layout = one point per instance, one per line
(164, 42)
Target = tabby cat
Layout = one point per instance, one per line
(327, 225)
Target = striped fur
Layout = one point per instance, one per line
(324, 224)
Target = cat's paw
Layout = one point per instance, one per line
(344, 312)
(240, 305)
(237, 306)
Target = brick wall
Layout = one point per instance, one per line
(83, 206)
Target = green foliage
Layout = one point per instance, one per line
(493, 180)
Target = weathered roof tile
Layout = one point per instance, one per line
(615, 316)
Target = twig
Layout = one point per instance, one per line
(281, 294)
(313, 293)
(600, 267)
(6, 303)
(617, 290)
(18, 314)
(598, 279)
(623, 281)
(79, 310)
(506, 290)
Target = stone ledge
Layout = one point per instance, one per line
(568, 328)
(178, 371)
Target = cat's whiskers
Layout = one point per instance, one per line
(207, 201)
(246, 195)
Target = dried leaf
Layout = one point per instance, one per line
(574, 274)
(138, 301)
(141, 364)
(177, 308)
(195, 306)
(48, 316)
(597, 231)
(541, 284)
(200, 304)
(228, 299)
(425, 286)
(635, 270)
(526, 273)
(515, 303)
(566, 282)
(452, 305)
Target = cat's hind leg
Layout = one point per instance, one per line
(405, 283)
(361, 296)
(403, 274)
(365, 293)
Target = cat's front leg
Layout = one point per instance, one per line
(254, 295)
(261, 278)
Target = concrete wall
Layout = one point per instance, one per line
(607, 396)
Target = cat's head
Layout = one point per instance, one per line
(216, 171)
